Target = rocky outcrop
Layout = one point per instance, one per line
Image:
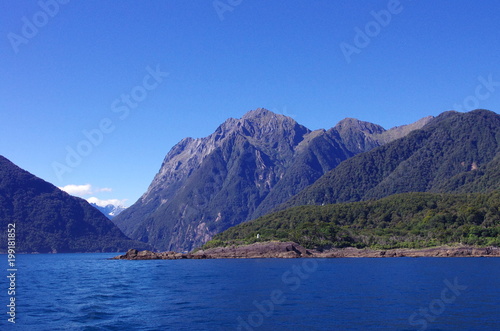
(134, 254)
(258, 250)
(253, 251)
(293, 250)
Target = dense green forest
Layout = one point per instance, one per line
(408, 220)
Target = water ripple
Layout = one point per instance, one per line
(89, 292)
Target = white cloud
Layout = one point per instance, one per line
(104, 203)
(77, 189)
(82, 190)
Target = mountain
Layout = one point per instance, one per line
(319, 153)
(49, 220)
(455, 152)
(244, 169)
(110, 211)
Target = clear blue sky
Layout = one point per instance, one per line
(69, 74)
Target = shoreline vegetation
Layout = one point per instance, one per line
(401, 221)
(276, 249)
(401, 225)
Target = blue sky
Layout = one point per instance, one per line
(121, 82)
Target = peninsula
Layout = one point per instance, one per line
(294, 250)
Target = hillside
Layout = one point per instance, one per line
(49, 220)
(456, 152)
(409, 220)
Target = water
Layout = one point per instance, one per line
(89, 292)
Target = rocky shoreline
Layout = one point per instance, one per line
(294, 250)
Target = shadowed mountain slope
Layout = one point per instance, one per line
(47, 219)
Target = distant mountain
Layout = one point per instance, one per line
(110, 211)
(49, 220)
(455, 152)
(244, 169)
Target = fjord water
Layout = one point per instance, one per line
(90, 292)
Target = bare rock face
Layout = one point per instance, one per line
(243, 170)
(206, 185)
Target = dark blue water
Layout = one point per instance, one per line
(89, 292)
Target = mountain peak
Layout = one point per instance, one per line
(259, 117)
(358, 125)
(259, 122)
(264, 115)
(258, 113)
